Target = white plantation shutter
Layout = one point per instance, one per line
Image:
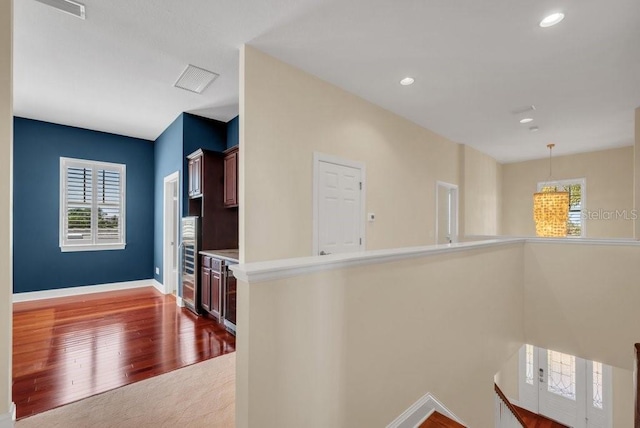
(91, 205)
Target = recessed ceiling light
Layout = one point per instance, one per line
(526, 120)
(534, 129)
(407, 81)
(552, 19)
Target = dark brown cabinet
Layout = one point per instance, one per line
(195, 174)
(231, 177)
(211, 283)
(205, 294)
(219, 224)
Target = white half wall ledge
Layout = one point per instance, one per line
(86, 289)
(8, 420)
(287, 268)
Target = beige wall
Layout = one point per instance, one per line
(583, 300)
(286, 115)
(507, 377)
(482, 185)
(356, 347)
(6, 157)
(610, 178)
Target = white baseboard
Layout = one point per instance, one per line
(420, 411)
(7, 420)
(77, 291)
(159, 286)
(179, 301)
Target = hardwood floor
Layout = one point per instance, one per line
(536, 421)
(71, 348)
(438, 420)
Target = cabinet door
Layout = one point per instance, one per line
(205, 292)
(195, 177)
(216, 291)
(230, 300)
(231, 179)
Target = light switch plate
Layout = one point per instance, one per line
(157, 270)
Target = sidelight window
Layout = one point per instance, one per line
(92, 205)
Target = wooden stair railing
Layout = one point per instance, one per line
(510, 406)
(637, 391)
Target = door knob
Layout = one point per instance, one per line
(322, 253)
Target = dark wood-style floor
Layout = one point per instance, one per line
(438, 420)
(536, 421)
(71, 348)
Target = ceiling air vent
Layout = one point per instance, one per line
(68, 6)
(195, 79)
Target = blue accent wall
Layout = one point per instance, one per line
(38, 262)
(167, 160)
(200, 133)
(233, 132)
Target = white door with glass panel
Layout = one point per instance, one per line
(339, 217)
(565, 388)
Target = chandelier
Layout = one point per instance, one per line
(550, 208)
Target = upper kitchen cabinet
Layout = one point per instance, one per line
(195, 173)
(206, 200)
(231, 177)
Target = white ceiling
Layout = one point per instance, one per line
(474, 63)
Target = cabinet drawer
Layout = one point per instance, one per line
(206, 261)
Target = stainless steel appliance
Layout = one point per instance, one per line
(189, 267)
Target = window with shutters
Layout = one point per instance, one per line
(577, 189)
(92, 205)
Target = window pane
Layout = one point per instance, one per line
(597, 385)
(561, 374)
(529, 364)
(108, 202)
(78, 210)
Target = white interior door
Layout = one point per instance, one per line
(446, 213)
(339, 208)
(565, 388)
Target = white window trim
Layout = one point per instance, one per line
(583, 187)
(82, 163)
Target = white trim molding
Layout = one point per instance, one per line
(286, 268)
(420, 411)
(159, 286)
(8, 420)
(77, 291)
(166, 270)
(321, 157)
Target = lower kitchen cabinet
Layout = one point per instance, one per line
(218, 290)
(211, 287)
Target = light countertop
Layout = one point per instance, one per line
(230, 255)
